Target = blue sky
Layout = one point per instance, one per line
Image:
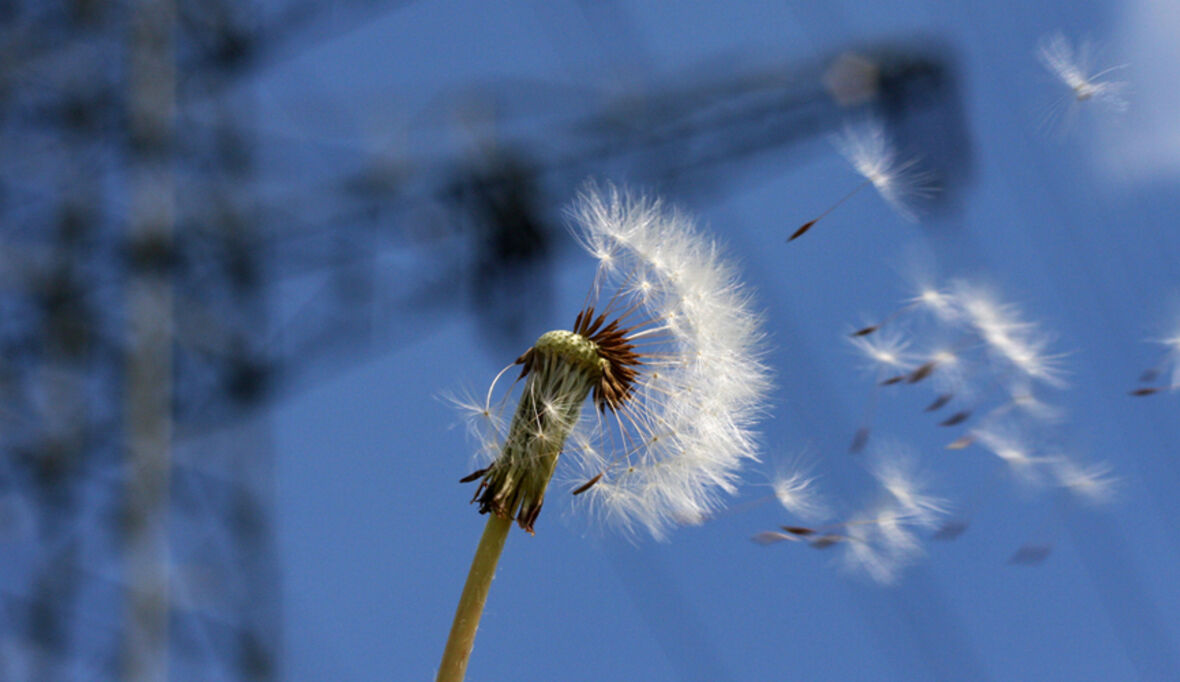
(375, 533)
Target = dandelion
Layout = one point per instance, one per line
(668, 351)
(870, 152)
(1168, 366)
(1074, 68)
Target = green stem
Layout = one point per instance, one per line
(475, 593)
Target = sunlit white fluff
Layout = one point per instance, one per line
(881, 542)
(794, 487)
(664, 455)
(677, 444)
(1007, 335)
(866, 146)
(1093, 483)
(1075, 69)
(883, 539)
(940, 303)
(1171, 360)
(1007, 441)
(884, 351)
(895, 468)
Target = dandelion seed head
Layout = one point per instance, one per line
(669, 353)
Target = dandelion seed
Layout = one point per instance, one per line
(1074, 68)
(1008, 337)
(881, 543)
(1030, 555)
(884, 351)
(883, 540)
(941, 304)
(956, 418)
(586, 486)
(939, 402)
(794, 488)
(770, 537)
(869, 151)
(1169, 364)
(867, 148)
(894, 468)
(825, 541)
(1024, 399)
(961, 442)
(859, 439)
(1005, 441)
(669, 352)
(949, 531)
(1094, 483)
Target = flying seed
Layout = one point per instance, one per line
(1030, 555)
(770, 537)
(825, 541)
(956, 418)
(586, 486)
(949, 530)
(962, 442)
(799, 233)
(939, 402)
(921, 373)
(859, 440)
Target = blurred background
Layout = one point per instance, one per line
(247, 248)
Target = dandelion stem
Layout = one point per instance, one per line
(475, 594)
